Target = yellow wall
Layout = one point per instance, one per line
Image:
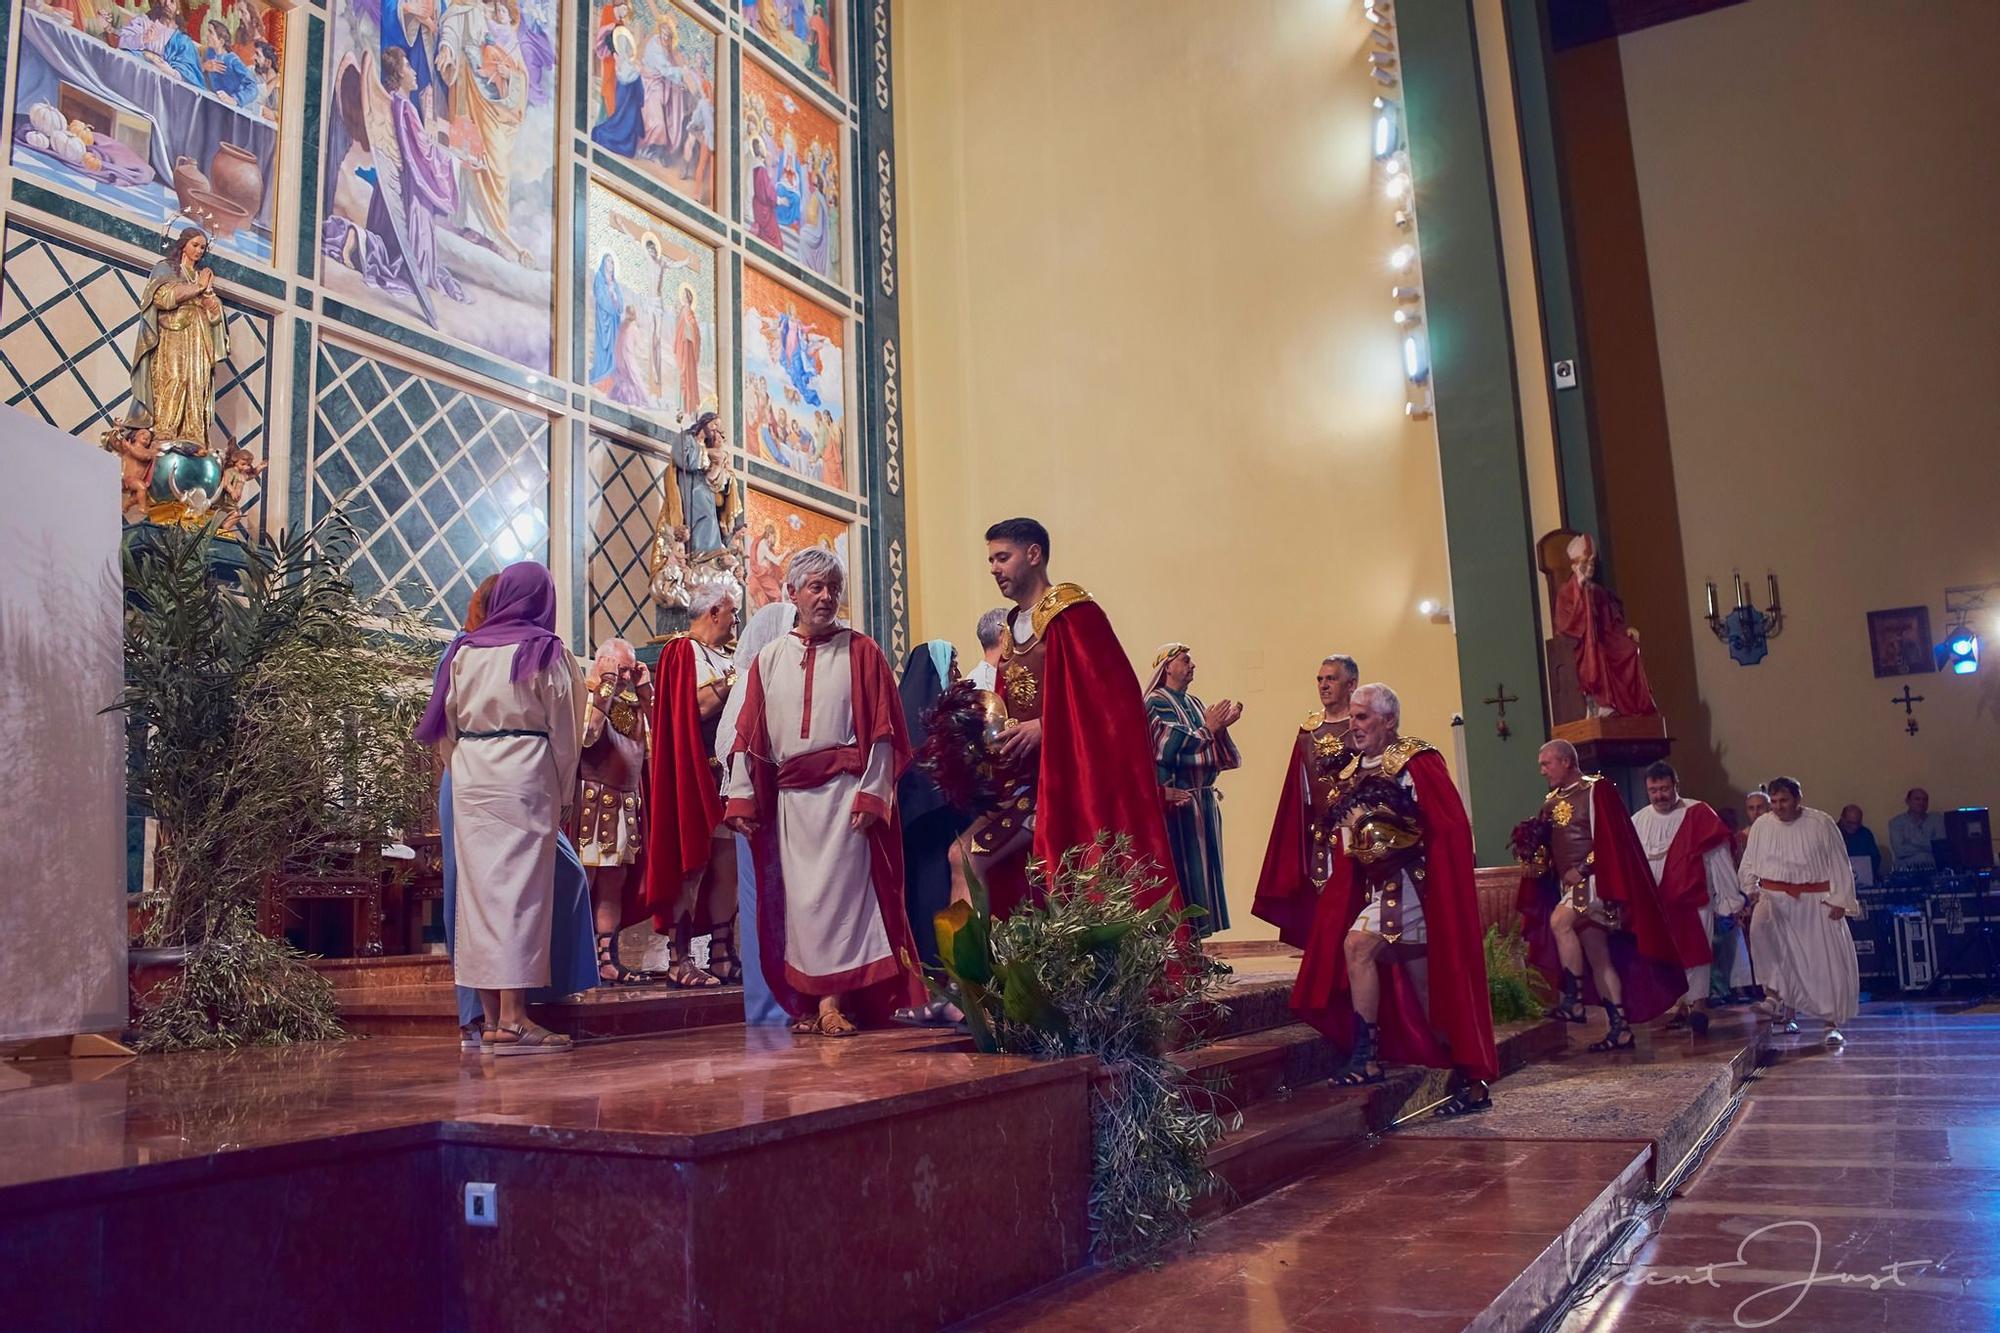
(1145, 299)
(1819, 223)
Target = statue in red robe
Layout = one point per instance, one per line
(1607, 649)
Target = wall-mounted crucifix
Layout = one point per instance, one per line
(1500, 700)
(1909, 702)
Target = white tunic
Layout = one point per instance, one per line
(833, 923)
(1656, 834)
(507, 798)
(1803, 956)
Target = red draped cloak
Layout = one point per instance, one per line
(685, 803)
(1684, 880)
(1607, 657)
(1646, 952)
(878, 716)
(1458, 1032)
(1285, 894)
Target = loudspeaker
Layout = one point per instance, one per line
(1969, 834)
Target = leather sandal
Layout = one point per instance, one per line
(526, 1039)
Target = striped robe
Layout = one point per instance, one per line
(1187, 756)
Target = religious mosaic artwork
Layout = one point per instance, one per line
(444, 486)
(439, 195)
(104, 351)
(652, 93)
(650, 311)
(156, 111)
(794, 381)
(803, 30)
(791, 172)
(777, 527)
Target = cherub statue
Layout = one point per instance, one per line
(240, 468)
(136, 450)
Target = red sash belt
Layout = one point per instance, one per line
(821, 767)
(1794, 889)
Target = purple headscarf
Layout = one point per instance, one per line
(521, 610)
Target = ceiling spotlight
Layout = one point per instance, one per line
(1427, 607)
(1402, 257)
(1404, 221)
(1419, 409)
(1960, 652)
(1383, 77)
(1408, 317)
(1388, 129)
(1381, 59)
(1398, 186)
(1381, 38)
(1406, 294)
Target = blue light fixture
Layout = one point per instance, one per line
(1388, 129)
(1959, 653)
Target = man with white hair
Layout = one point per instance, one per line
(611, 813)
(690, 856)
(819, 745)
(1796, 871)
(992, 626)
(1299, 858)
(1395, 966)
(1594, 918)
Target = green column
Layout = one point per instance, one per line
(1487, 524)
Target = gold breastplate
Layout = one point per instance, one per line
(1019, 679)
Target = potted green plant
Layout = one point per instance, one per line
(1088, 971)
(271, 717)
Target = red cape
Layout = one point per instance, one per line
(1461, 1010)
(878, 716)
(1684, 880)
(1097, 749)
(1285, 894)
(685, 804)
(1646, 952)
(1096, 766)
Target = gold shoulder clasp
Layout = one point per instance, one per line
(1400, 752)
(1058, 599)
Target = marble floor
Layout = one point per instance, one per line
(1885, 1153)
(1857, 1189)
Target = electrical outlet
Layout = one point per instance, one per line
(1565, 374)
(482, 1204)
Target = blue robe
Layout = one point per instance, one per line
(234, 80)
(792, 337)
(572, 929)
(182, 53)
(608, 305)
(623, 128)
(411, 44)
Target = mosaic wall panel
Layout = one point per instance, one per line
(446, 486)
(778, 526)
(68, 321)
(155, 120)
(653, 96)
(623, 509)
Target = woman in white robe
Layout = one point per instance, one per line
(505, 711)
(1795, 867)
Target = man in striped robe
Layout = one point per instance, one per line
(1191, 746)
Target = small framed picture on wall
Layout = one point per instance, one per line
(1899, 640)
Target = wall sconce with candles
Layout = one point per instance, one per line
(1745, 629)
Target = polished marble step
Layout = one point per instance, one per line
(626, 1011)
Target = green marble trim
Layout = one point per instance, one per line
(456, 359)
(579, 343)
(736, 344)
(146, 238)
(6, 40)
(652, 191)
(306, 261)
(778, 261)
(1488, 528)
(835, 102)
(637, 425)
(819, 495)
(721, 17)
(1579, 485)
(586, 34)
(579, 526)
(299, 454)
(302, 297)
(735, 205)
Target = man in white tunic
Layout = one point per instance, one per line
(1796, 871)
(812, 784)
(1687, 845)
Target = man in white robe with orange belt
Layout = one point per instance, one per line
(1795, 870)
(812, 785)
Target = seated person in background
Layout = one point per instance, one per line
(1860, 840)
(1912, 833)
(1756, 804)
